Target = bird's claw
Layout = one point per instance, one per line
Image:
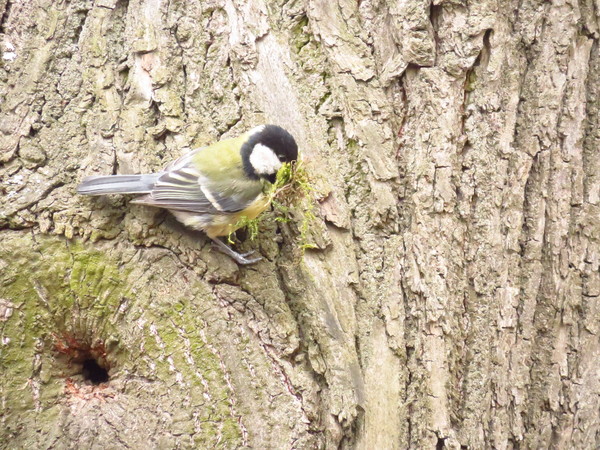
(240, 258)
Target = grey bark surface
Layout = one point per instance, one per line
(452, 299)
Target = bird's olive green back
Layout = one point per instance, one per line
(222, 168)
(218, 160)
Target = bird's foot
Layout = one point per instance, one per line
(240, 258)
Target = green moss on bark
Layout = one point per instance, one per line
(65, 298)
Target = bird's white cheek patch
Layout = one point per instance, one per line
(264, 160)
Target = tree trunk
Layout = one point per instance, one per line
(451, 299)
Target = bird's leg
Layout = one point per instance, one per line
(239, 258)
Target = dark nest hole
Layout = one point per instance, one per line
(94, 372)
(82, 360)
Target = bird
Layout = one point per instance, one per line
(211, 188)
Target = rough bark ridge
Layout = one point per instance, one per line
(453, 297)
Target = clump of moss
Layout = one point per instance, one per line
(251, 226)
(293, 192)
(291, 195)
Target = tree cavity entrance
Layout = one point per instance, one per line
(93, 372)
(82, 360)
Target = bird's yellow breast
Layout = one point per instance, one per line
(225, 224)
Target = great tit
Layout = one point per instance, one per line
(211, 188)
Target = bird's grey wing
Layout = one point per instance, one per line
(185, 189)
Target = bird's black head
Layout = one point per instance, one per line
(267, 148)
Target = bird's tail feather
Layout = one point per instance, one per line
(118, 184)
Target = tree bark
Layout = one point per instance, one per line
(451, 299)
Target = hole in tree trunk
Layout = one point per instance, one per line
(93, 372)
(80, 359)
